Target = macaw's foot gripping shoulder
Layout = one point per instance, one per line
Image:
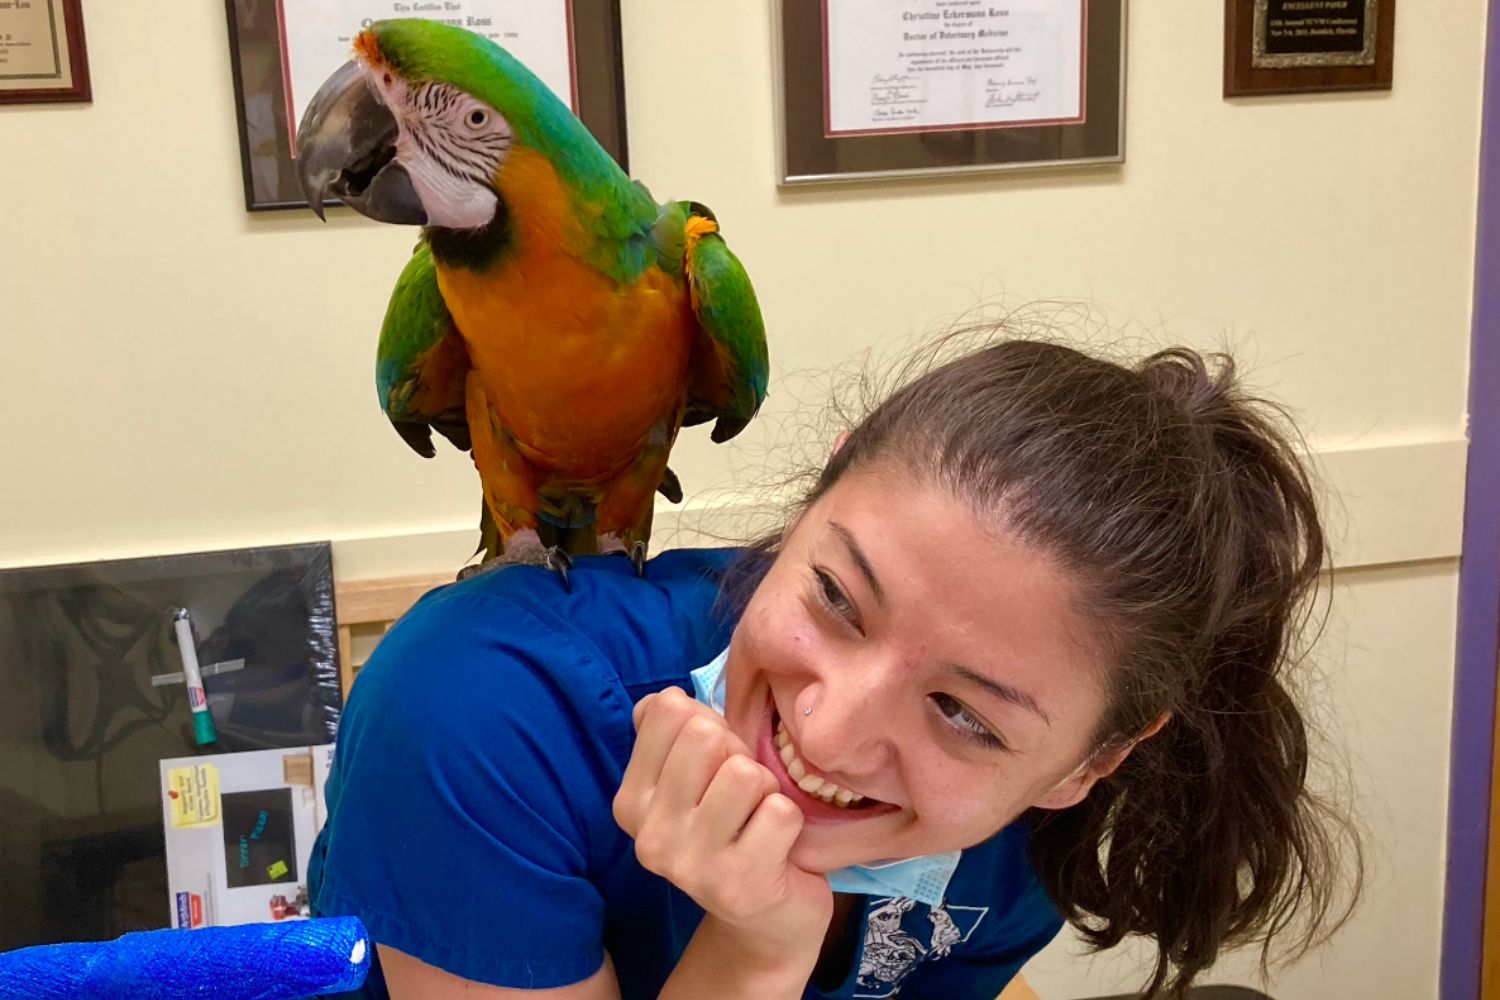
(611, 545)
(525, 548)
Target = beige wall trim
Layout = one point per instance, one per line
(1400, 502)
(1392, 503)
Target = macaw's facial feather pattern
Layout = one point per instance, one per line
(615, 212)
(466, 145)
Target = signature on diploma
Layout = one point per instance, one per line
(896, 91)
(1009, 92)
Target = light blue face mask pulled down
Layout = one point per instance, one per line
(924, 879)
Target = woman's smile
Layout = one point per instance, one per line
(821, 799)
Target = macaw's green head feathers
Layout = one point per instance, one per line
(430, 63)
(418, 126)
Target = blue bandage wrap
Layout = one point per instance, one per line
(280, 961)
(924, 878)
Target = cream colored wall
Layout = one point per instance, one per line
(185, 376)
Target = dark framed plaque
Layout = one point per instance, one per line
(267, 104)
(1297, 46)
(43, 57)
(890, 88)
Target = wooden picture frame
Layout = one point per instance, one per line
(812, 151)
(1269, 49)
(259, 66)
(42, 44)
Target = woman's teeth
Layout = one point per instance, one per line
(819, 788)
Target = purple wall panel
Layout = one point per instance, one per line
(1479, 578)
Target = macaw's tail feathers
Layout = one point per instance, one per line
(489, 533)
(571, 510)
(581, 539)
(578, 541)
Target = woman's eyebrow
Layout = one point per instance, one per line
(1001, 690)
(858, 554)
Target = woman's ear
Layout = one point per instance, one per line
(1101, 764)
(838, 442)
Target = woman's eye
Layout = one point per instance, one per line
(962, 720)
(834, 598)
(477, 118)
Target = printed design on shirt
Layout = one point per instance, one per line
(900, 933)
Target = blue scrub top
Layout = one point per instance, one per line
(469, 805)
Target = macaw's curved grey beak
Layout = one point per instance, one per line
(346, 147)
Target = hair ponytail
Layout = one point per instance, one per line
(1208, 835)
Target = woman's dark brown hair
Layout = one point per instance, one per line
(1183, 512)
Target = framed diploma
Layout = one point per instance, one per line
(283, 50)
(1295, 46)
(888, 88)
(43, 58)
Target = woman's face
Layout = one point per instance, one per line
(951, 683)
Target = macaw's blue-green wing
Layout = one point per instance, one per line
(730, 367)
(421, 363)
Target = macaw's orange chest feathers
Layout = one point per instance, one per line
(577, 368)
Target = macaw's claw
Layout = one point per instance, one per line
(614, 545)
(557, 559)
(524, 548)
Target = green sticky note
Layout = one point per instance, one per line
(277, 870)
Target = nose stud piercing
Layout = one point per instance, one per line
(807, 710)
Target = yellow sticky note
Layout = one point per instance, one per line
(277, 870)
(193, 796)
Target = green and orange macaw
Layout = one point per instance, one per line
(554, 319)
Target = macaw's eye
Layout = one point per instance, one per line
(387, 79)
(477, 119)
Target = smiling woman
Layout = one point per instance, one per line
(975, 664)
(1020, 656)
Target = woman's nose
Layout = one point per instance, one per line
(845, 719)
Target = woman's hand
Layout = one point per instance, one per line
(710, 819)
